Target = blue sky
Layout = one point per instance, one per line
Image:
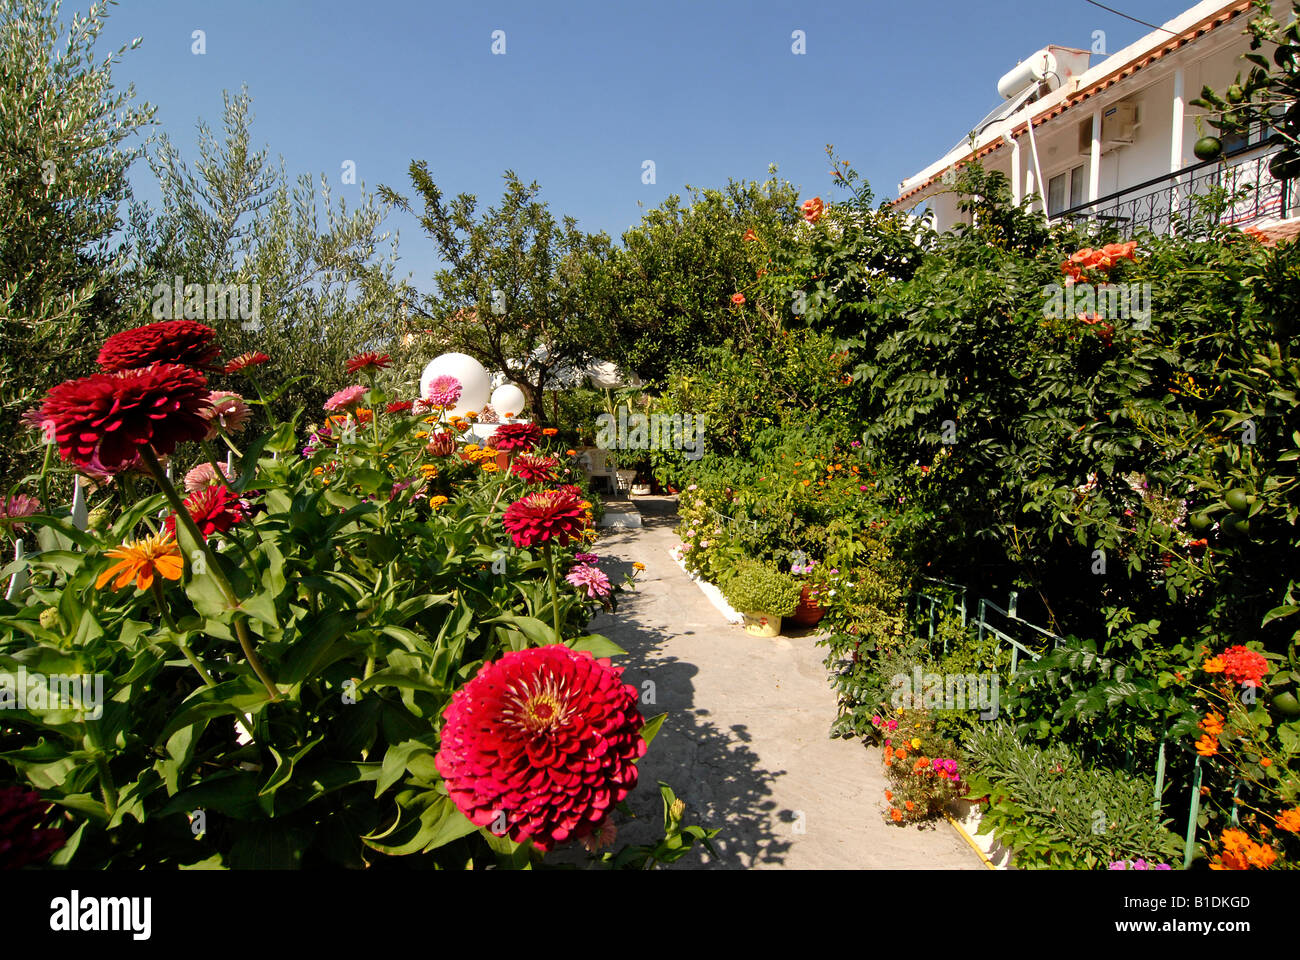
(587, 91)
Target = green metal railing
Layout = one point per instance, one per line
(937, 603)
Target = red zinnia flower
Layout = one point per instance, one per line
(544, 516)
(102, 421)
(245, 360)
(23, 840)
(369, 362)
(544, 742)
(170, 341)
(532, 468)
(516, 436)
(214, 509)
(400, 406)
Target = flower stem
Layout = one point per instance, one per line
(45, 476)
(214, 568)
(555, 591)
(220, 473)
(163, 609)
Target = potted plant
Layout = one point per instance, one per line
(763, 595)
(809, 611)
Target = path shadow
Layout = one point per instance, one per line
(710, 766)
(657, 512)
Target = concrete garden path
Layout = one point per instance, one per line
(745, 742)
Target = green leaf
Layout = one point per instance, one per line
(650, 729)
(597, 645)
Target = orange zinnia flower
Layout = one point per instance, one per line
(1289, 820)
(895, 814)
(910, 805)
(549, 431)
(1214, 665)
(889, 796)
(570, 453)
(139, 560)
(901, 754)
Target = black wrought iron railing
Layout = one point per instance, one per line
(1249, 193)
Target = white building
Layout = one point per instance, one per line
(1114, 142)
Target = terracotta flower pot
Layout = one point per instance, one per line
(809, 612)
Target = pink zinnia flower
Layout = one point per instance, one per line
(543, 741)
(586, 558)
(203, 476)
(444, 391)
(595, 582)
(229, 411)
(345, 399)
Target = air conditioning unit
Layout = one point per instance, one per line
(1119, 123)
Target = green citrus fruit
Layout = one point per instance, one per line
(1200, 522)
(1286, 704)
(1238, 500)
(1235, 526)
(1284, 166)
(1207, 148)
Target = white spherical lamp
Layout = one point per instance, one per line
(508, 399)
(475, 385)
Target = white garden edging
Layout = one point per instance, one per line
(965, 816)
(709, 590)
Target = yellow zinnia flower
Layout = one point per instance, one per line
(139, 560)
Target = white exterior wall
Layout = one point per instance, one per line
(1213, 60)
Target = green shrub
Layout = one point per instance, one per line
(1052, 810)
(756, 588)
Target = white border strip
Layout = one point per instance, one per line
(709, 590)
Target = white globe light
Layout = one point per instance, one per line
(508, 398)
(475, 385)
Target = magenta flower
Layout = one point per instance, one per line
(16, 507)
(586, 558)
(444, 391)
(595, 582)
(345, 399)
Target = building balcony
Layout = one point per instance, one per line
(1250, 195)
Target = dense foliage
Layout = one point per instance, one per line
(1127, 466)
